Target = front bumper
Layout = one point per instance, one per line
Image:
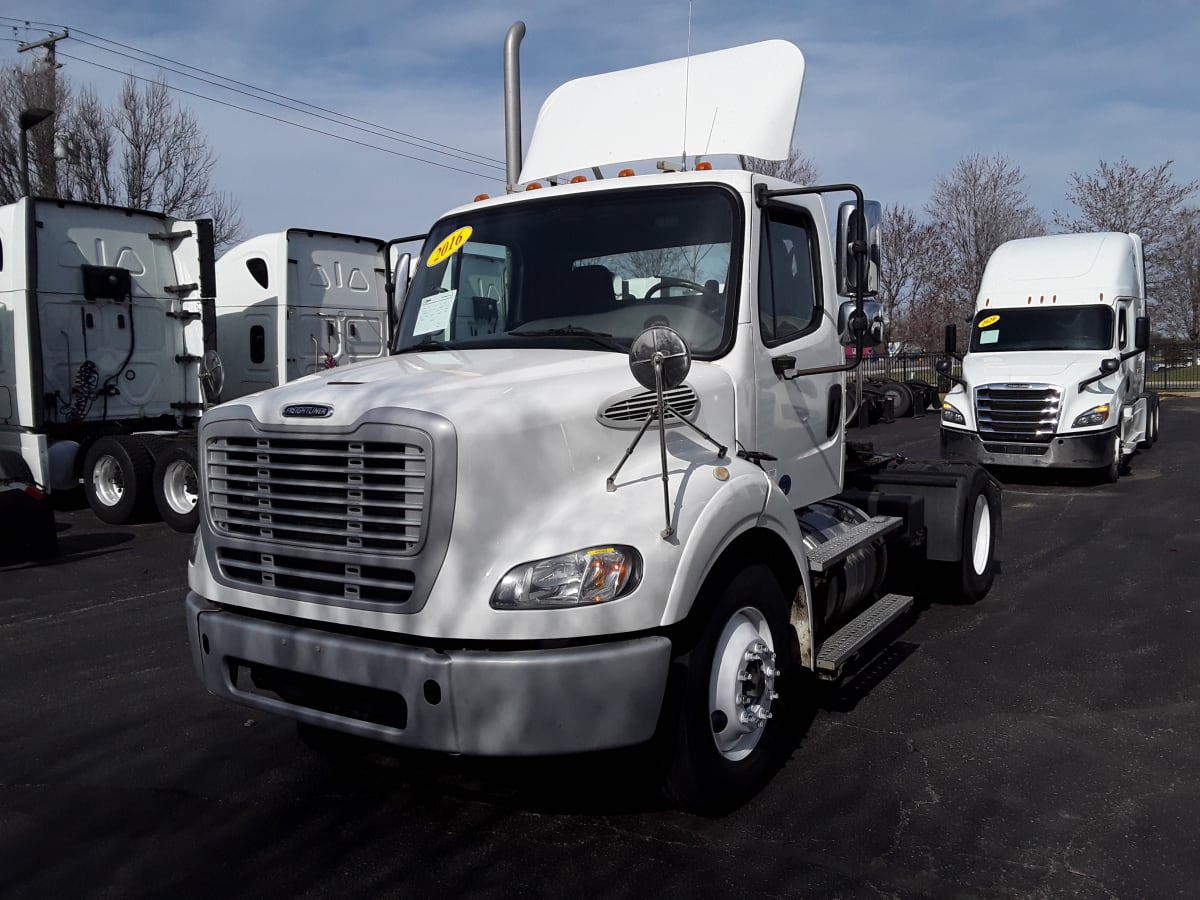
(479, 702)
(1085, 451)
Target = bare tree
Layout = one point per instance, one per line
(1121, 197)
(144, 152)
(981, 204)
(798, 168)
(1177, 311)
(912, 279)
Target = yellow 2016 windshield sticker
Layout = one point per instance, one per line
(990, 320)
(450, 245)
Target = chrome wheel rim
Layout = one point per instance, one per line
(179, 487)
(108, 480)
(742, 684)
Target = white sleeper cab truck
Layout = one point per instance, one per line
(297, 302)
(575, 510)
(1055, 371)
(107, 355)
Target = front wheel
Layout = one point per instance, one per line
(970, 578)
(730, 732)
(176, 490)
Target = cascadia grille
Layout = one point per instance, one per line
(1025, 413)
(319, 494)
(637, 407)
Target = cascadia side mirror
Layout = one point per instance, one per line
(1141, 332)
(951, 339)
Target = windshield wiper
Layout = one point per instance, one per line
(603, 338)
(425, 344)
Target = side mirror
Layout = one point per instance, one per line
(870, 324)
(1141, 332)
(951, 339)
(1109, 365)
(659, 355)
(942, 366)
(401, 276)
(859, 268)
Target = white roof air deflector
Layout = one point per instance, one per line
(739, 101)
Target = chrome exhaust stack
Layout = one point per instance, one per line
(512, 104)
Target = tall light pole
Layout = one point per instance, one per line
(29, 118)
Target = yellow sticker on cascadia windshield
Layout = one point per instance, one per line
(450, 245)
(990, 320)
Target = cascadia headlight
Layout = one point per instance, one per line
(1097, 415)
(952, 415)
(595, 575)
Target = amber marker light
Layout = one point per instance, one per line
(579, 179)
(704, 167)
(479, 197)
(534, 186)
(625, 173)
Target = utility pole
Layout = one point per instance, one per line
(47, 165)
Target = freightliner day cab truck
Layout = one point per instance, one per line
(110, 320)
(567, 515)
(1055, 371)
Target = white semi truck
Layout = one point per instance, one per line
(110, 320)
(1055, 371)
(565, 515)
(107, 334)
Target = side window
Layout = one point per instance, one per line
(1122, 326)
(258, 270)
(258, 344)
(789, 283)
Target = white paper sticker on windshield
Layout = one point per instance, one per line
(435, 312)
(989, 337)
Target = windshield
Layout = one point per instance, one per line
(590, 270)
(1042, 328)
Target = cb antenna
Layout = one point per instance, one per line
(687, 72)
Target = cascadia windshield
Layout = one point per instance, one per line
(1043, 328)
(590, 270)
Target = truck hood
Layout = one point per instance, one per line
(1041, 366)
(509, 390)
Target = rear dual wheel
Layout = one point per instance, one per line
(117, 472)
(176, 486)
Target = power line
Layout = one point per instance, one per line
(426, 144)
(283, 121)
(429, 145)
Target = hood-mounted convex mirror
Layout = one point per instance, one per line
(660, 360)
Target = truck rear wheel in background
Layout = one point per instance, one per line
(1151, 436)
(117, 479)
(728, 732)
(176, 491)
(901, 394)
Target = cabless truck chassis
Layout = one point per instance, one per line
(574, 512)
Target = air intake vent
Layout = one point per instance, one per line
(632, 410)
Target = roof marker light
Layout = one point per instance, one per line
(533, 186)
(704, 167)
(625, 173)
(479, 197)
(578, 179)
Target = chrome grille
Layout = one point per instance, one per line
(637, 407)
(1018, 412)
(317, 493)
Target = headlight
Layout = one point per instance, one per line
(1097, 415)
(952, 415)
(595, 575)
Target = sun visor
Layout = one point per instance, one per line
(742, 100)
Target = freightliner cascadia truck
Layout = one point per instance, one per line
(577, 509)
(1055, 371)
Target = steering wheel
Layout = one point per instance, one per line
(675, 282)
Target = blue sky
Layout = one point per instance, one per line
(895, 94)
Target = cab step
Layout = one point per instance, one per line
(856, 634)
(833, 551)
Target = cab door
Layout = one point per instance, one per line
(798, 419)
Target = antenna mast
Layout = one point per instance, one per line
(687, 71)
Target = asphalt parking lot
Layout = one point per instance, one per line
(1039, 744)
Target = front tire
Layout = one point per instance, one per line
(970, 578)
(176, 490)
(117, 477)
(729, 734)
